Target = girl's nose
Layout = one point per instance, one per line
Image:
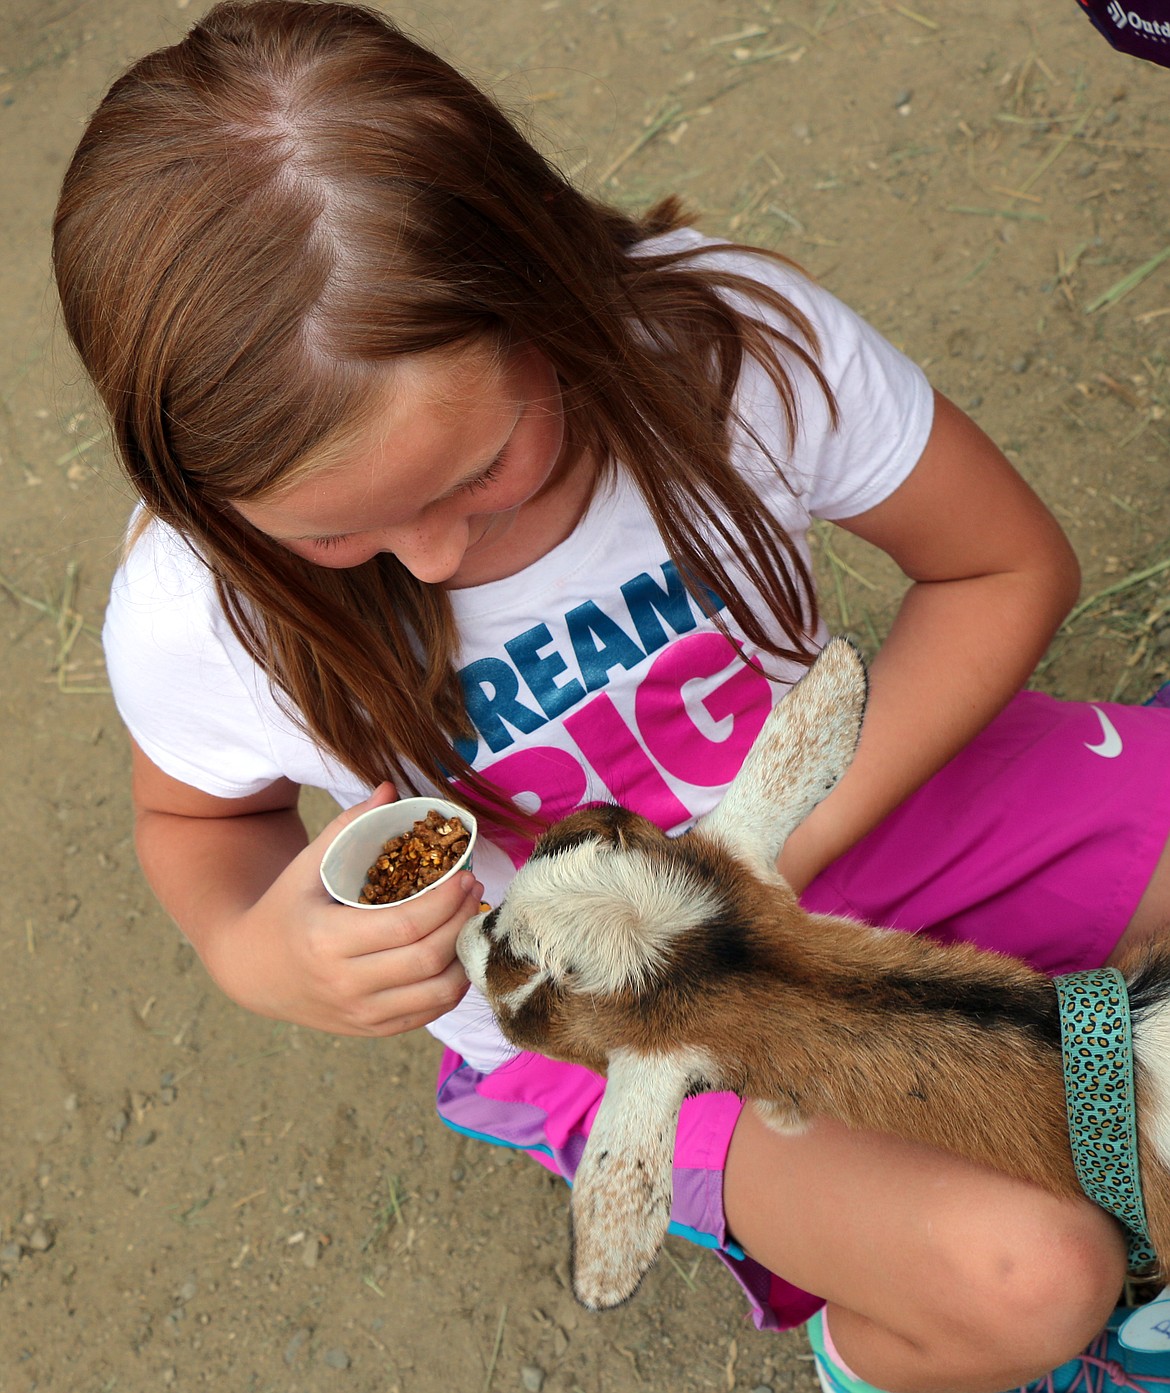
(431, 550)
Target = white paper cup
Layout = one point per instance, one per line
(354, 850)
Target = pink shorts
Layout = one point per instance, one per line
(1037, 840)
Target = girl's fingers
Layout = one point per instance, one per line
(419, 961)
(362, 932)
(395, 1010)
(388, 990)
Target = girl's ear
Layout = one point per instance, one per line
(801, 752)
(624, 1185)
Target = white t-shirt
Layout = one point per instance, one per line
(590, 674)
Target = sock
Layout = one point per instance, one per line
(833, 1374)
(831, 1350)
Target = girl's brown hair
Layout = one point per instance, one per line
(261, 217)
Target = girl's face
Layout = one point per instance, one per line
(456, 475)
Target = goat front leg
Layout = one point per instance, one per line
(624, 1186)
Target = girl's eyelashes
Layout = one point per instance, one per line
(481, 481)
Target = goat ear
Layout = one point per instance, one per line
(624, 1185)
(804, 747)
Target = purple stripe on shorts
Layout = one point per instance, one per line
(464, 1106)
(498, 1108)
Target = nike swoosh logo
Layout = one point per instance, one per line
(1110, 747)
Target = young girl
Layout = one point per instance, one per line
(452, 475)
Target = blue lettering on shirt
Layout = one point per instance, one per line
(540, 671)
(599, 644)
(491, 689)
(647, 600)
(492, 686)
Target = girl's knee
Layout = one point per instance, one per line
(1003, 1303)
(1039, 1295)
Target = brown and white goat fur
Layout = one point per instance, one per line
(684, 965)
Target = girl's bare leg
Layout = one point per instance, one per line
(1151, 919)
(940, 1276)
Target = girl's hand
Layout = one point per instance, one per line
(242, 881)
(299, 956)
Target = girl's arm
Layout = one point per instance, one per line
(992, 577)
(241, 879)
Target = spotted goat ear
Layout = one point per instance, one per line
(624, 1186)
(801, 752)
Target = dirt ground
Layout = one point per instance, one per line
(192, 1197)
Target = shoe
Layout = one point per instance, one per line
(1102, 1368)
(1105, 1366)
(1161, 697)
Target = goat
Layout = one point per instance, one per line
(683, 965)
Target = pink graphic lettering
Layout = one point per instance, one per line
(629, 774)
(669, 729)
(554, 783)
